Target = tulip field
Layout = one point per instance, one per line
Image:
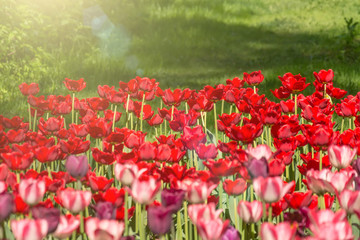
(137, 161)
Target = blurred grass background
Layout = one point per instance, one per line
(181, 43)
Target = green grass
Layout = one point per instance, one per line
(192, 43)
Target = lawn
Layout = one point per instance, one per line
(181, 43)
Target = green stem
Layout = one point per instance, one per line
(186, 220)
(126, 213)
(270, 211)
(215, 121)
(127, 111)
(296, 104)
(72, 108)
(320, 159)
(113, 123)
(34, 125)
(49, 171)
(236, 215)
(178, 226)
(29, 116)
(141, 112)
(221, 190)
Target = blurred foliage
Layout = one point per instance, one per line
(181, 43)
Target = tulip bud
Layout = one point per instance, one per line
(75, 201)
(172, 197)
(77, 166)
(159, 219)
(105, 210)
(231, 234)
(51, 215)
(32, 191)
(6, 205)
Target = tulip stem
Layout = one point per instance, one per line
(186, 220)
(215, 121)
(137, 217)
(113, 123)
(236, 215)
(220, 196)
(295, 104)
(126, 212)
(270, 213)
(49, 171)
(264, 210)
(350, 122)
(320, 159)
(29, 116)
(141, 112)
(72, 107)
(81, 222)
(342, 125)
(18, 177)
(34, 125)
(178, 226)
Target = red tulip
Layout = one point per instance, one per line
(254, 78)
(294, 83)
(281, 231)
(147, 151)
(324, 76)
(103, 157)
(99, 183)
(271, 189)
(236, 187)
(250, 212)
(26, 229)
(17, 161)
(213, 94)
(281, 92)
(29, 89)
(75, 85)
(46, 155)
(13, 123)
(99, 128)
(246, 133)
(298, 200)
(206, 152)
(193, 137)
(73, 200)
(74, 146)
(97, 229)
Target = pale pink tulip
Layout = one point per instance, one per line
(271, 189)
(32, 190)
(281, 231)
(97, 229)
(341, 156)
(67, 225)
(197, 191)
(75, 201)
(127, 173)
(144, 190)
(250, 212)
(259, 152)
(29, 229)
(350, 201)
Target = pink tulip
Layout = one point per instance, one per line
(343, 180)
(127, 173)
(271, 189)
(350, 201)
(341, 156)
(67, 225)
(144, 190)
(29, 229)
(281, 231)
(319, 181)
(206, 218)
(32, 191)
(326, 224)
(259, 152)
(75, 201)
(104, 229)
(3, 187)
(250, 212)
(203, 211)
(197, 191)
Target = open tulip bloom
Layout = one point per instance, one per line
(220, 163)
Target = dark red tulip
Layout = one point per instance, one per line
(74, 146)
(51, 215)
(13, 123)
(159, 219)
(206, 152)
(97, 104)
(75, 85)
(172, 198)
(99, 128)
(103, 157)
(15, 136)
(254, 78)
(105, 210)
(29, 89)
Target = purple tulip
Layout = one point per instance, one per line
(172, 198)
(159, 219)
(257, 168)
(231, 234)
(6, 205)
(77, 166)
(300, 218)
(105, 210)
(51, 215)
(356, 166)
(357, 183)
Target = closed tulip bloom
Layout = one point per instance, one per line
(203, 211)
(350, 201)
(250, 212)
(104, 229)
(257, 168)
(281, 231)
(197, 191)
(341, 156)
(32, 191)
(144, 190)
(172, 197)
(67, 225)
(271, 189)
(77, 166)
(159, 219)
(29, 229)
(105, 210)
(212, 229)
(6, 205)
(231, 234)
(51, 215)
(75, 201)
(319, 181)
(127, 173)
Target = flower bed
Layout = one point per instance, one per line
(115, 167)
